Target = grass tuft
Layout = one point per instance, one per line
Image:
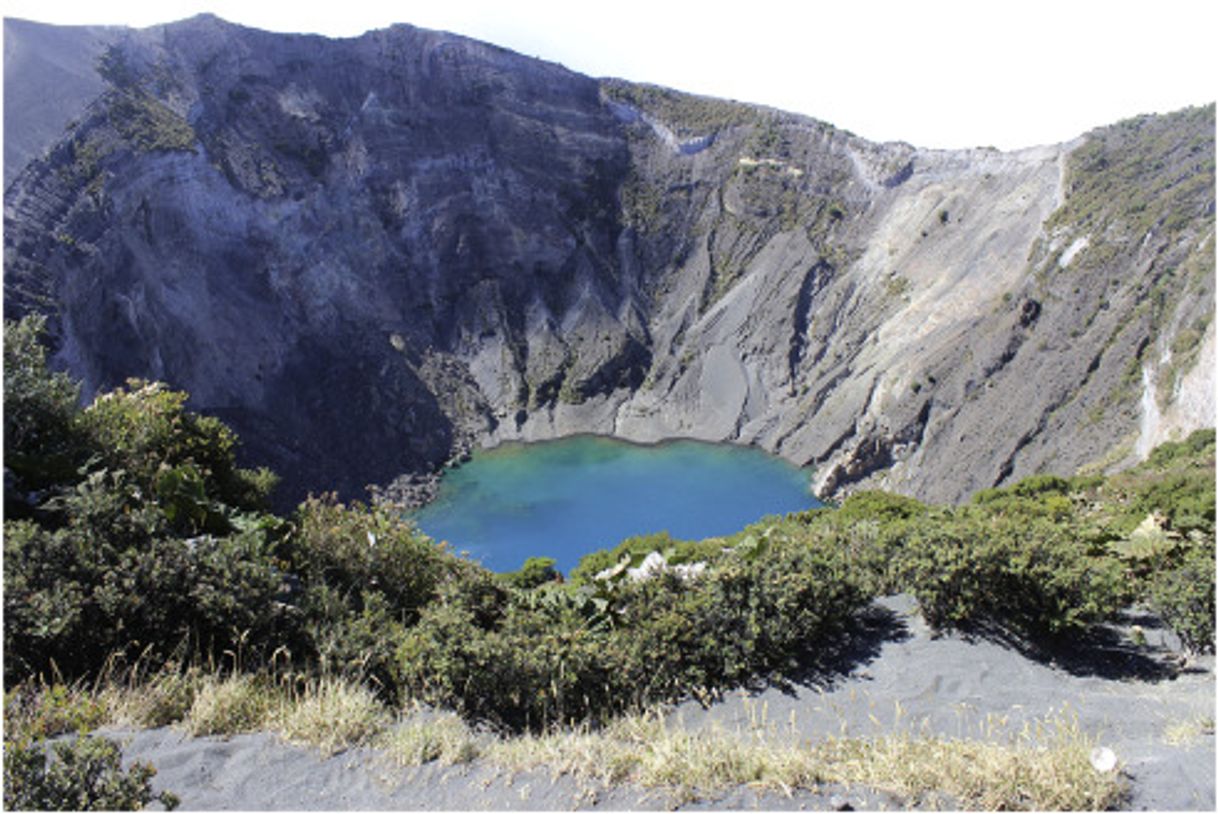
(1184, 733)
(165, 698)
(331, 715)
(430, 737)
(230, 706)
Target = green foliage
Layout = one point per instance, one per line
(635, 549)
(685, 114)
(187, 459)
(1027, 575)
(535, 572)
(356, 549)
(114, 580)
(366, 573)
(642, 204)
(148, 124)
(34, 711)
(1195, 448)
(570, 653)
(1136, 174)
(42, 439)
(1181, 591)
(84, 774)
(145, 534)
(880, 507)
(1176, 481)
(515, 665)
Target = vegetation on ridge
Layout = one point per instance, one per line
(136, 547)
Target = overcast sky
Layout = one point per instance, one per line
(936, 73)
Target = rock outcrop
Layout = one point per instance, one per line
(370, 254)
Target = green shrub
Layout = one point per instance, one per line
(1198, 446)
(535, 572)
(358, 645)
(356, 548)
(1029, 576)
(570, 653)
(536, 668)
(147, 123)
(757, 611)
(113, 579)
(880, 507)
(83, 774)
(33, 710)
(43, 445)
(145, 431)
(1182, 593)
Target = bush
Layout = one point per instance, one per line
(1197, 446)
(1183, 595)
(757, 613)
(365, 574)
(35, 711)
(569, 653)
(1030, 577)
(43, 444)
(357, 549)
(84, 774)
(145, 431)
(535, 572)
(532, 670)
(880, 507)
(114, 581)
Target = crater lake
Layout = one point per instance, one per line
(569, 497)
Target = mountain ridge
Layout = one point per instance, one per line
(372, 253)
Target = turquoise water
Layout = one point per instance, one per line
(565, 498)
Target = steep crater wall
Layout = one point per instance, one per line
(370, 254)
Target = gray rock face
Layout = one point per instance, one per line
(370, 254)
(49, 80)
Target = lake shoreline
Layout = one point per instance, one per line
(566, 497)
(411, 491)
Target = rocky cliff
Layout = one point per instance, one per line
(367, 254)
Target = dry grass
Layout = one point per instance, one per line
(421, 737)
(232, 705)
(1046, 767)
(1184, 733)
(330, 714)
(163, 699)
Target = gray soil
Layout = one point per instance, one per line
(889, 674)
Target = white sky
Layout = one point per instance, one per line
(936, 73)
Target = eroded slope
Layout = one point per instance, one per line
(368, 254)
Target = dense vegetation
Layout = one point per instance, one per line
(132, 539)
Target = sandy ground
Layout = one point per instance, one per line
(890, 673)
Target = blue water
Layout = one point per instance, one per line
(566, 498)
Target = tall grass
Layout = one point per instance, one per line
(330, 714)
(1044, 766)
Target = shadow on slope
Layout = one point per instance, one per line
(1110, 651)
(857, 645)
